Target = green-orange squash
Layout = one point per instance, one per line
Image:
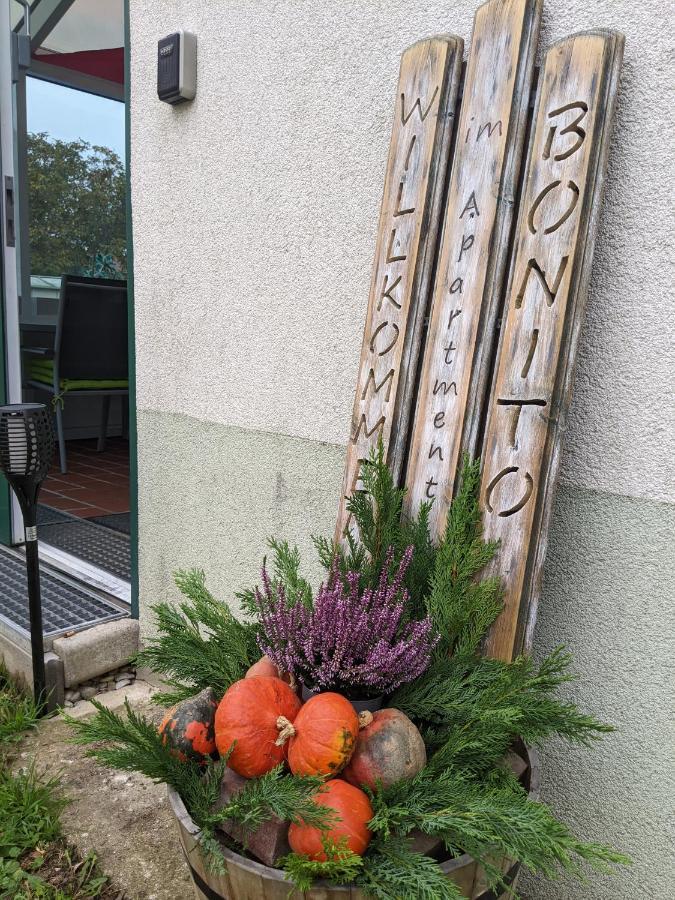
(388, 750)
(188, 728)
(247, 718)
(353, 811)
(323, 736)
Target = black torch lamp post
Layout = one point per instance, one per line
(26, 450)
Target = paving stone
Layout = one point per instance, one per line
(97, 650)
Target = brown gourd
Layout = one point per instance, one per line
(388, 749)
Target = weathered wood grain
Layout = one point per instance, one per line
(547, 288)
(473, 258)
(404, 255)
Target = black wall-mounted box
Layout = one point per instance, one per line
(177, 67)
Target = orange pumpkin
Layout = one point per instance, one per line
(353, 812)
(247, 717)
(323, 736)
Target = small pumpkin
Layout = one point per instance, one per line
(265, 666)
(188, 728)
(353, 812)
(322, 736)
(247, 717)
(389, 748)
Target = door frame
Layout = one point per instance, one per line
(11, 527)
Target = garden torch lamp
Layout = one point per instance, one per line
(26, 450)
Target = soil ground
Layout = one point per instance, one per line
(123, 817)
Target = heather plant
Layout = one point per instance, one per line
(357, 642)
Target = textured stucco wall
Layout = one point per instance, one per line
(254, 212)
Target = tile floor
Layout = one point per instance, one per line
(96, 484)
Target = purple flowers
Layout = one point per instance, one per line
(358, 643)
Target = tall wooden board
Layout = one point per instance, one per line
(404, 255)
(474, 251)
(547, 287)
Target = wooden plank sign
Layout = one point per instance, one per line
(404, 254)
(547, 286)
(474, 251)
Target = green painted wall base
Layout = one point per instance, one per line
(211, 495)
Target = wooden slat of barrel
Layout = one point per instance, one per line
(462, 871)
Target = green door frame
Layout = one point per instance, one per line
(133, 433)
(5, 508)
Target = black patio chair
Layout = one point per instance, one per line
(90, 354)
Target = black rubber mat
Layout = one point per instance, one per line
(64, 606)
(47, 516)
(95, 544)
(116, 521)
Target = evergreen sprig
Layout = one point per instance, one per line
(199, 644)
(483, 818)
(276, 793)
(392, 870)
(471, 709)
(341, 866)
(285, 572)
(462, 606)
(380, 525)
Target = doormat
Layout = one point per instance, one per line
(96, 544)
(64, 606)
(116, 521)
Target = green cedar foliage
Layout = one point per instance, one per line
(341, 866)
(285, 571)
(470, 709)
(200, 643)
(462, 607)
(392, 870)
(483, 818)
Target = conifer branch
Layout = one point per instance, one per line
(342, 866)
(199, 644)
(392, 870)
(482, 819)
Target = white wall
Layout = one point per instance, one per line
(254, 213)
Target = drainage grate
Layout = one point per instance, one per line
(95, 544)
(64, 606)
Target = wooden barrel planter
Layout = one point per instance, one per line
(246, 879)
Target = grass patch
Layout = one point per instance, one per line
(18, 712)
(36, 862)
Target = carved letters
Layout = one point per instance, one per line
(418, 154)
(474, 246)
(546, 291)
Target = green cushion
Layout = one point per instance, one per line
(42, 370)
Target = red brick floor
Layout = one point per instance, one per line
(96, 484)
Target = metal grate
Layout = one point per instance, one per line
(64, 606)
(95, 544)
